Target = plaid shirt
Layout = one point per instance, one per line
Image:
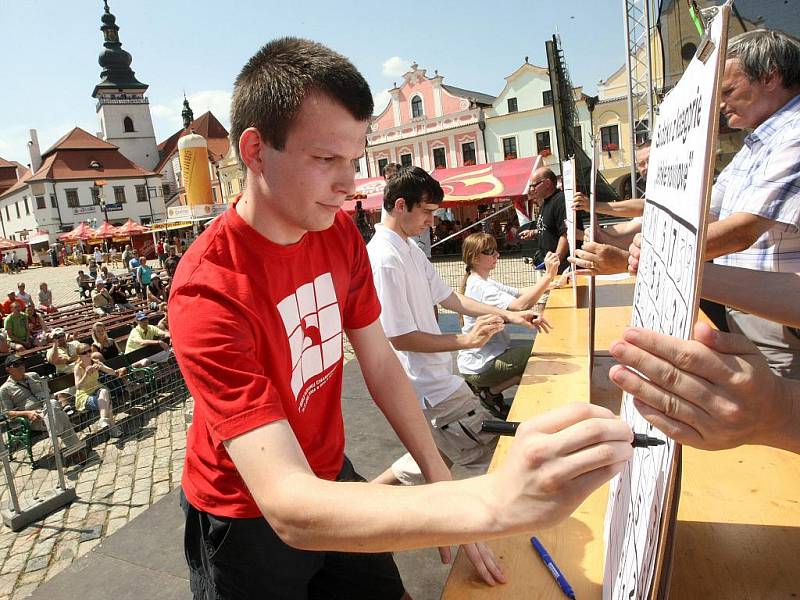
(764, 180)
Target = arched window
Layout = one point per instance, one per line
(127, 123)
(416, 107)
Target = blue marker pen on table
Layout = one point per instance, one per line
(551, 566)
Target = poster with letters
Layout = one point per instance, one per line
(642, 497)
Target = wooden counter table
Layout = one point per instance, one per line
(738, 530)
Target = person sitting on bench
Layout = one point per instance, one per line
(64, 353)
(90, 394)
(46, 299)
(101, 300)
(119, 296)
(143, 334)
(24, 394)
(16, 326)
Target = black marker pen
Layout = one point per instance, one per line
(640, 440)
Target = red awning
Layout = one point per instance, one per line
(491, 182)
(106, 230)
(369, 192)
(10, 244)
(81, 232)
(129, 228)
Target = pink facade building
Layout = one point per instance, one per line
(429, 124)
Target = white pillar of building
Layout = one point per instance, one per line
(453, 155)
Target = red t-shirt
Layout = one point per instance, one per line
(257, 330)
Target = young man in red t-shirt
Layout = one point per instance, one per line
(259, 305)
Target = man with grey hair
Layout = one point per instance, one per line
(755, 202)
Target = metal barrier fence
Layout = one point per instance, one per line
(41, 478)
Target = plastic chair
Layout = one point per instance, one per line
(18, 429)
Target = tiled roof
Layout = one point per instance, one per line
(78, 139)
(21, 182)
(479, 97)
(74, 164)
(206, 125)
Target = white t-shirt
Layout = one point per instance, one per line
(477, 360)
(408, 287)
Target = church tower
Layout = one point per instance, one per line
(122, 108)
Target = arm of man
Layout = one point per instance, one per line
(770, 301)
(600, 259)
(419, 341)
(391, 390)
(633, 207)
(714, 392)
(735, 233)
(467, 306)
(620, 234)
(11, 412)
(401, 325)
(555, 461)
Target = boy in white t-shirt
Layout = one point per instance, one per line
(408, 287)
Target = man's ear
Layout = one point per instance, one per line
(773, 81)
(399, 205)
(250, 145)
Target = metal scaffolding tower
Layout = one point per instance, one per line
(639, 29)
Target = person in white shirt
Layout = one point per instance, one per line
(408, 287)
(23, 295)
(496, 365)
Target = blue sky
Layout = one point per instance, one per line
(50, 49)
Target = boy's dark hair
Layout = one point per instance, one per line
(413, 184)
(390, 170)
(273, 84)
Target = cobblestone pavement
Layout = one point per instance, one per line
(120, 480)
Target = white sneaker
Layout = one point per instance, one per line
(102, 423)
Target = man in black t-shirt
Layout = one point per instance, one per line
(551, 229)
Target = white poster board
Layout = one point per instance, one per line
(666, 300)
(568, 183)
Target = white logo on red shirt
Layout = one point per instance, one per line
(314, 330)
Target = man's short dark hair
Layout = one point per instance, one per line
(390, 170)
(268, 92)
(413, 184)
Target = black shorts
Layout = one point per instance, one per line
(244, 559)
